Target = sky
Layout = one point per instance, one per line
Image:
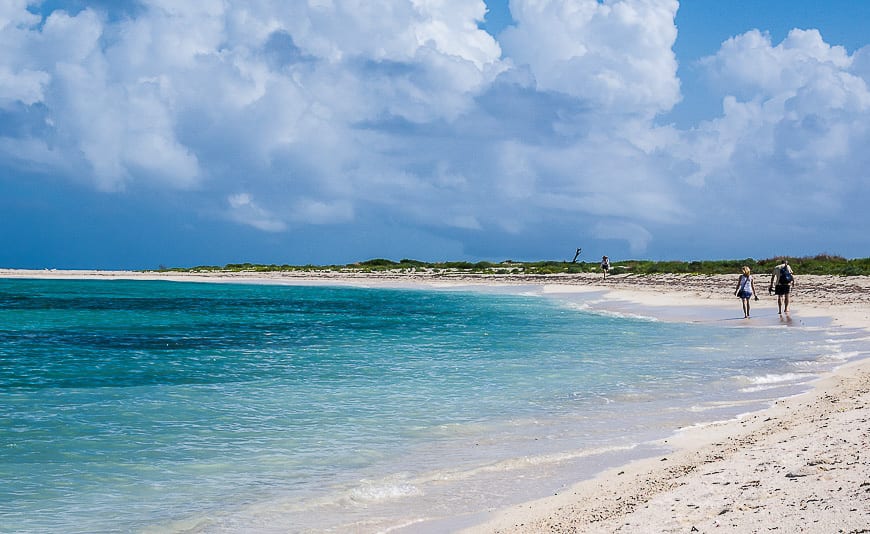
(143, 133)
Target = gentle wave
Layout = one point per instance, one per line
(594, 307)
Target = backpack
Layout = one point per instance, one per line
(785, 276)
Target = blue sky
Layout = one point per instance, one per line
(142, 133)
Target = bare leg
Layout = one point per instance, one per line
(786, 303)
(779, 303)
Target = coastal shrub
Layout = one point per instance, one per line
(573, 268)
(265, 268)
(462, 265)
(653, 267)
(853, 270)
(378, 262)
(821, 264)
(547, 269)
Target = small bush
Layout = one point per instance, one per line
(378, 262)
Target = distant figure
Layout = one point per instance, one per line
(781, 281)
(576, 255)
(745, 290)
(605, 265)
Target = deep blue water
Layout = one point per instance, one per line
(163, 406)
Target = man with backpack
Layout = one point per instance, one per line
(605, 265)
(780, 283)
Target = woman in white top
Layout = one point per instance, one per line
(745, 290)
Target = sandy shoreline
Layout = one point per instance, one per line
(802, 465)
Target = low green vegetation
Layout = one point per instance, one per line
(819, 264)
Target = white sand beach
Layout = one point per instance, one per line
(802, 465)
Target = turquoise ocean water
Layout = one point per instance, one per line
(149, 406)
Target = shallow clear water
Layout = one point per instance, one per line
(161, 406)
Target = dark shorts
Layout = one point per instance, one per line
(781, 289)
(744, 294)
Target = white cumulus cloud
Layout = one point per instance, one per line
(615, 55)
(795, 111)
(245, 210)
(405, 113)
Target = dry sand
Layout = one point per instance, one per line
(802, 465)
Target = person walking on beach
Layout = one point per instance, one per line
(745, 290)
(781, 281)
(605, 265)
